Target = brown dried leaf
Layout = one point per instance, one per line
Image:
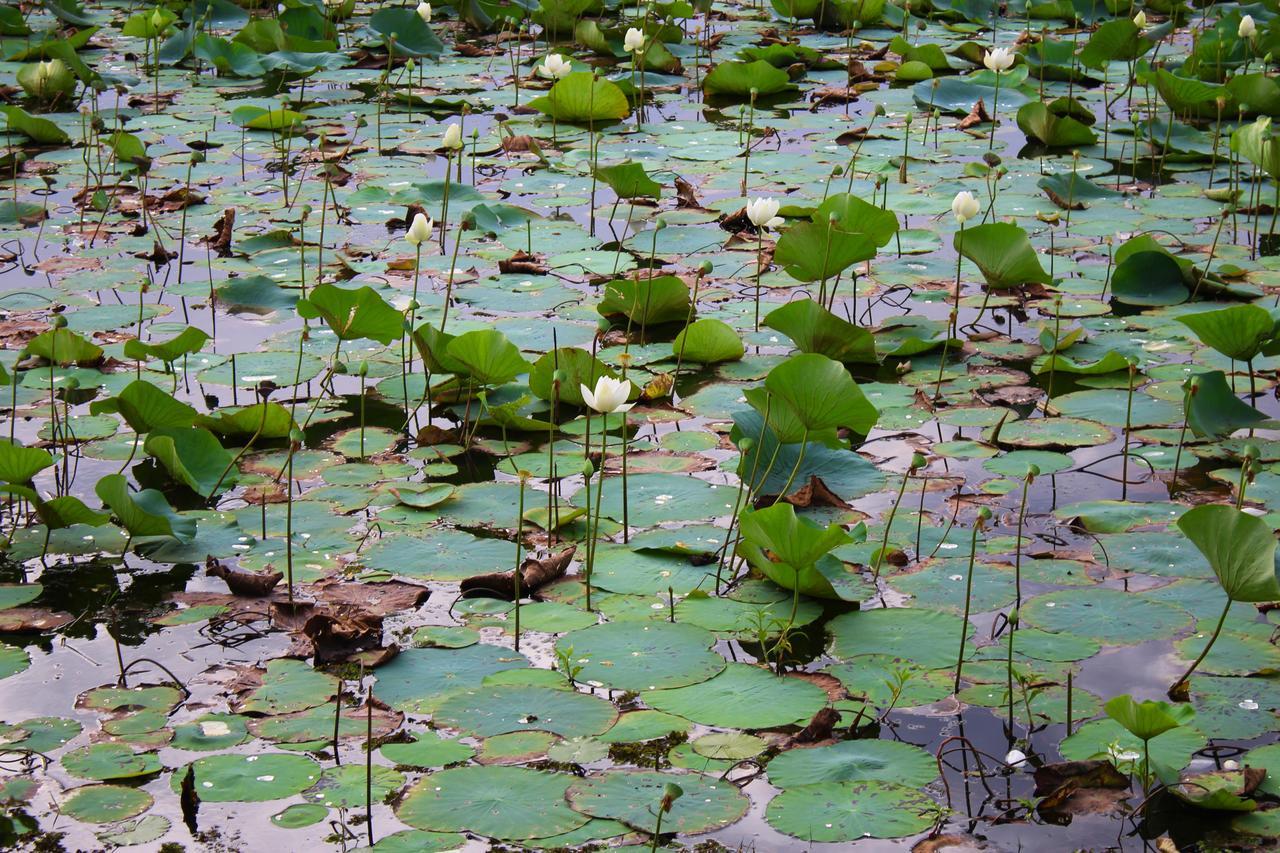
(977, 115)
(534, 573)
(523, 263)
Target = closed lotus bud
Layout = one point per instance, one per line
(670, 794)
(588, 469)
(705, 267)
(879, 111)
(452, 137)
(918, 461)
(746, 444)
(984, 515)
(296, 438)
(363, 369)
(1013, 616)
(1033, 471)
(341, 368)
(1251, 453)
(419, 230)
(58, 321)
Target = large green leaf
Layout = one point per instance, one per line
(1003, 253)
(63, 346)
(145, 513)
(1240, 548)
(19, 464)
(581, 98)
(38, 130)
(812, 328)
(1238, 332)
(487, 357)
(821, 394)
(189, 340)
(193, 456)
(353, 314)
(629, 180)
(1054, 131)
(738, 79)
(145, 407)
(813, 251)
(708, 341)
(1150, 719)
(647, 301)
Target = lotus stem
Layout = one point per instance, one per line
(978, 525)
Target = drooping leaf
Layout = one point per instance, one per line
(1240, 548)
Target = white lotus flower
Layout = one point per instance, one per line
(633, 42)
(763, 212)
(1140, 20)
(424, 12)
(965, 206)
(1015, 758)
(610, 395)
(1247, 29)
(452, 137)
(420, 229)
(998, 59)
(554, 67)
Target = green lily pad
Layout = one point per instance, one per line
(493, 801)
(631, 796)
(106, 803)
(229, 778)
(850, 811)
(742, 696)
(854, 761)
(497, 710)
(1106, 615)
(643, 657)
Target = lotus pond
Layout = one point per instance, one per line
(565, 424)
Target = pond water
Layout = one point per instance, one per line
(904, 542)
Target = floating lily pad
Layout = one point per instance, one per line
(925, 637)
(229, 778)
(492, 711)
(850, 811)
(417, 679)
(854, 761)
(493, 801)
(1109, 616)
(106, 803)
(641, 657)
(427, 751)
(742, 696)
(630, 796)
